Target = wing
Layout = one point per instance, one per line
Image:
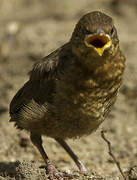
(39, 90)
(49, 67)
(20, 100)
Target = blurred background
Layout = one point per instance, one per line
(31, 29)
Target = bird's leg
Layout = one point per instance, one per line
(79, 163)
(52, 171)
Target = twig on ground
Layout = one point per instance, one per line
(111, 154)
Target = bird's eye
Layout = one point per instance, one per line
(87, 32)
(112, 31)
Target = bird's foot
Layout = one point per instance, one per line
(55, 174)
(83, 172)
(82, 168)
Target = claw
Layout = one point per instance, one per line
(55, 174)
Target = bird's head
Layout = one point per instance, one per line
(95, 36)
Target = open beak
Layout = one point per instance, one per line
(98, 41)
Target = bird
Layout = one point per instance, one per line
(70, 92)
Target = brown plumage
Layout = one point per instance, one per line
(71, 91)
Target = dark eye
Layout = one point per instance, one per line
(112, 31)
(87, 32)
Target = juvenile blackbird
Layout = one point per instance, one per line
(71, 91)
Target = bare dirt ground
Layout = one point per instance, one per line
(29, 30)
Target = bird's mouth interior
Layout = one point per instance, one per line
(99, 42)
